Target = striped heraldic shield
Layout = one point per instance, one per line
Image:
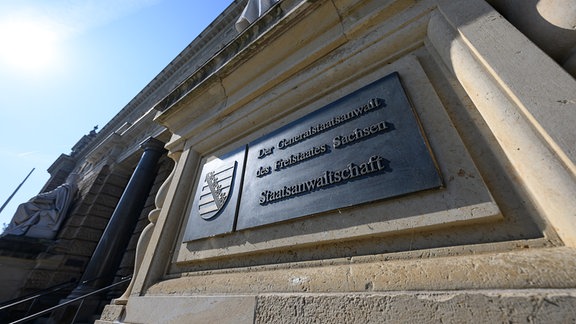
(215, 191)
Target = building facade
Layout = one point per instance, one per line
(350, 162)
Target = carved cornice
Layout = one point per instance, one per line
(63, 161)
(123, 143)
(253, 36)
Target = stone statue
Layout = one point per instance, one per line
(253, 10)
(42, 215)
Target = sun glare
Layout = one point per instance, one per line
(28, 45)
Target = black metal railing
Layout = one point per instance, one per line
(33, 297)
(79, 300)
(24, 305)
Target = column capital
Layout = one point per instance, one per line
(153, 144)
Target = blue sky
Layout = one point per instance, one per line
(67, 66)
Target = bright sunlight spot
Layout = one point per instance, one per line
(28, 44)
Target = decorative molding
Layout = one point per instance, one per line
(254, 36)
(146, 235)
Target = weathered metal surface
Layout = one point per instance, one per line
(364, 147)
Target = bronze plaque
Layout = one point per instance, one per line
(364, 147)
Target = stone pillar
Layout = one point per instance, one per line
(112, 245)
(550, 24)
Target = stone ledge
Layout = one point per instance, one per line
(423, 307)
(469, 306)
(521, 269)
(112, 314)
(191, 309)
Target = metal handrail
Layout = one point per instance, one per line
(66, 303)
(37, 294)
